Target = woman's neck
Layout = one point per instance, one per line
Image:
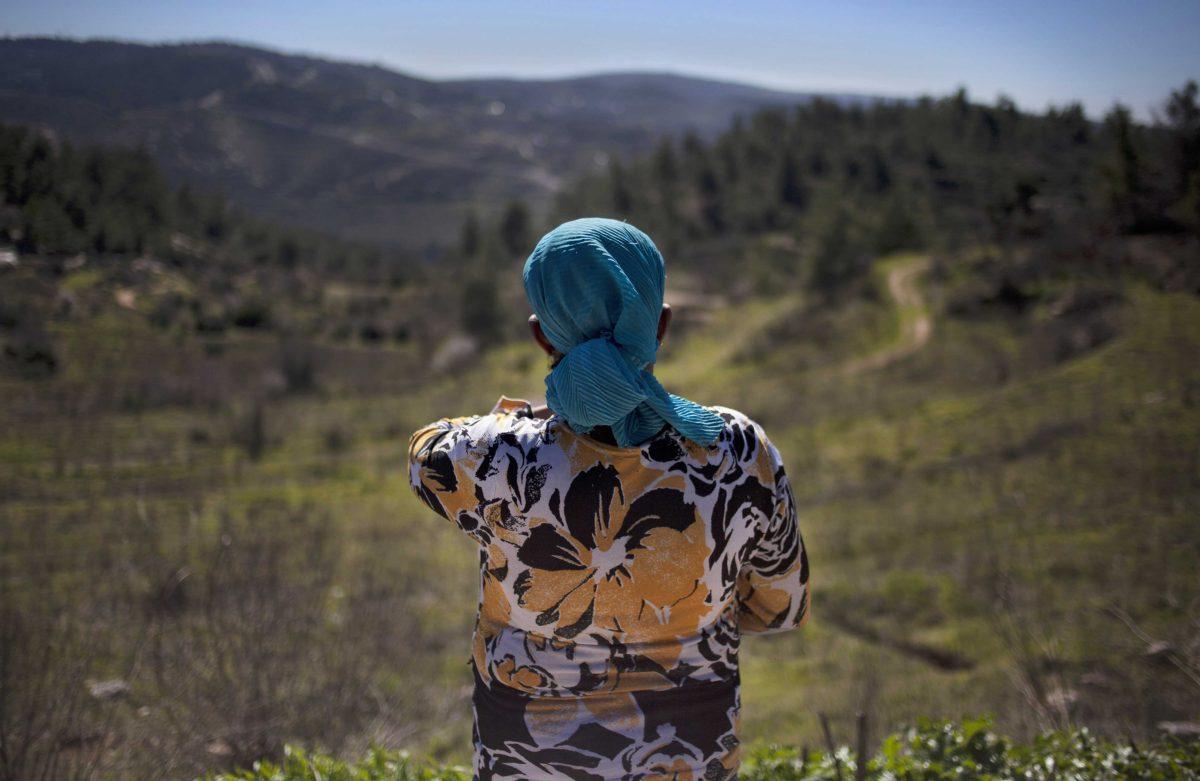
(603, 434)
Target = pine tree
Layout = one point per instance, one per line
(515, 229)
(1183, 121)
(839, 261)
(469, 239)
(481, 313)
(1124, 168)
(792, 190)
(622, 195)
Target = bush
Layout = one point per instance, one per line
(297, 363)
(30, 352)
(371, 333)
(252, 312)
(930, 751)
(378, 765)
(250, 430)
(840, 261)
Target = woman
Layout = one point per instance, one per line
(627, 537)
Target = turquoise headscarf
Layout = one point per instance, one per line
(597, 285)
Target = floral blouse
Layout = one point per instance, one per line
(615, 583)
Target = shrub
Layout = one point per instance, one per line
(252, 312)
(297, 363)
(371, 332)
(30, 352)
(378, 765)
(930, 751)
(250, 430)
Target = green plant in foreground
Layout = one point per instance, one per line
(930, 751)
(378, 765)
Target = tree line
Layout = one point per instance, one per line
(844, 184)
(61, 200)
(853, 182)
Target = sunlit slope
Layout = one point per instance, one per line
(978, 515)
(978, 510)
(980, 505)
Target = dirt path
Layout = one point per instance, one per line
(916, 324)
(939, 658)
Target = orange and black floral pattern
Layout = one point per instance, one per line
(615, 584)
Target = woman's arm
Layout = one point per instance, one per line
(435, 470)
(772, 587)
(444, 458)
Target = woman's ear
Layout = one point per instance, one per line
(536, 327)
(664, 321)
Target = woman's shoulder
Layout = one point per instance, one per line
(509, 419)
(738, 421)
(743, 435)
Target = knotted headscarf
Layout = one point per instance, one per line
(597, 286)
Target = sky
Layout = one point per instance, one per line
(1038, 53)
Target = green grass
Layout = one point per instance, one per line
(930, 751)
(975, 497)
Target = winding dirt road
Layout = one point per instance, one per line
(916, 324)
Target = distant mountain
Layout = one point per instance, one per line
(353, 149)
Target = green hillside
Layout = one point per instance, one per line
(210, 548)
(354, 150)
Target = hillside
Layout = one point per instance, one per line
(988, 404)
(356, 150)
(983, 513)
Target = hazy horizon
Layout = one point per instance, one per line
(1038, 54)
(566, 76)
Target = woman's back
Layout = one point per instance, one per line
(615, 585)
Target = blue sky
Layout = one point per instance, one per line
(1038, 53)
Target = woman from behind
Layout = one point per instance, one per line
(627, 537)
